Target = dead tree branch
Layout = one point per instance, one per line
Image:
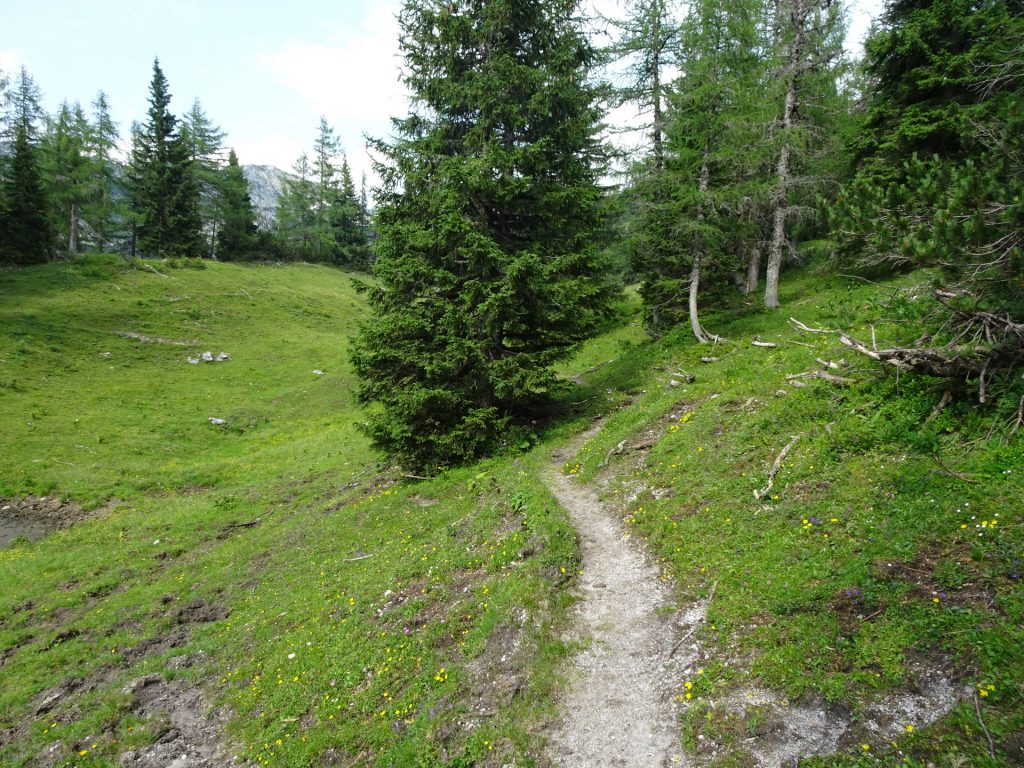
(760, 494)
(807, 329)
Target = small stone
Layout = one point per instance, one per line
(142, 682)
(217, 422)
(207, 356)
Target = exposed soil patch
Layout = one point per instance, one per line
(772, 731)
(190, 731)
(200, 611)
(499, 673)
(35, 516)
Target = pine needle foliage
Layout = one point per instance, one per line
(488, 271)
(165, 194)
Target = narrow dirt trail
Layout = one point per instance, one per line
(619, 710)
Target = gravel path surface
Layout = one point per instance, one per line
(620, 709)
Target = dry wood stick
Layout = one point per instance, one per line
(689, 634)
(947, 398)
(991, 745)
(775, 469)
(801, 327)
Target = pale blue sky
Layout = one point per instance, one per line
(263, 72)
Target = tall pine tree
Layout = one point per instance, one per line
(808, 39)
(485, 258)
(295, 218)
(25, 233)
(348, 222)
(165, 194)
(236, 238)
(67, 171)
(102, 210)
(205, 143)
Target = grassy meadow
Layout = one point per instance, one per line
(332, 606)
(341, 613)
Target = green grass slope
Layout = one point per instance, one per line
(339, 614)
(891, 543)
(343, 614)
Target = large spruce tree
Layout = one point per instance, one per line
(237, 236)
(67, 171)
(25, 233)
(165, 194)
(205, 145)
(103, 210)
(487, 271)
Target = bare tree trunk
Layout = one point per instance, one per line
(771, 283)
(699, 333)
(782, 171)
(753, 270)
(698, 330)
(73, 233)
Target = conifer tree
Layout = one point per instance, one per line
(102, 210)
(689, 210)
(808, 38)
(326, 192)
(295, 211)
(716, 107)
(67, 171)
(647, 42)
(165, 195)
(236, 238)
(485, 257)
(348, 222)
(940, 174)
(366, 220)
(25, 234)
(205, 143)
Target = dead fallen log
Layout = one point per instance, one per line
(247, 524)
(357, 559)
(764, 344)
(929, 361)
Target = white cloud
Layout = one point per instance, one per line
(268, 149)
(352, 80)
(10, 61)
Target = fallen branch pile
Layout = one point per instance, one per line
(983, 344)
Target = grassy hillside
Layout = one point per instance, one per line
(271, 558)
(888, 551)
(336, 612)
